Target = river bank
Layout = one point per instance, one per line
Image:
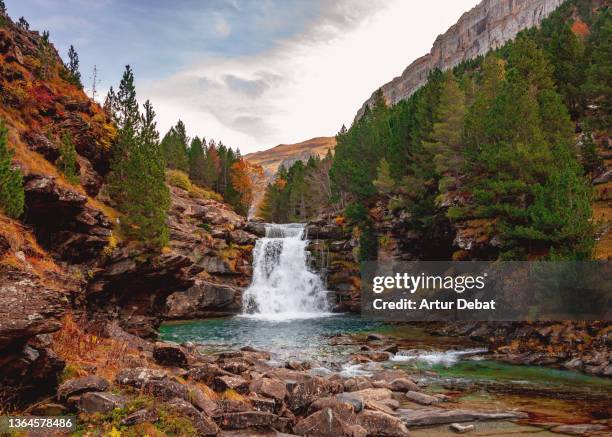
(331, 376)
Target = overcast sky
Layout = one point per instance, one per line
(252, 73)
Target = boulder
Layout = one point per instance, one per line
(440, 416)
(100, 402)
(342, 408)
(236, 366)
(167, 354)
(403, 385)
(269, 387)
(203, 299)
(165, 389)
(377, 423)
(140, 416)
(327, 423)
(263, 404)
(422, 398)
(252, 419)
(357, 383)
(84, 384)
(302, 394)
(201, 401)
(236, 383)
(138, 376)
(207, 372)
(204, 425)
(241, 237)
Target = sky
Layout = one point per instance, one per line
(251, 73)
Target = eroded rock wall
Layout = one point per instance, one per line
(485, 27)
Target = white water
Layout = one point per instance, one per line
(283, 288)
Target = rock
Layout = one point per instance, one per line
(392, 349)
(375, 337)
(100, 402)
(263, 404)
(41, 144)
(257, 228)
(302, 394)
(296, 365)
(269, 387)
(252, 419)
(207, 372)
(357, 383)
(389, 375)
(201, 401)
(167, 354)
(203, 299)
(344, 409)
(81, 385)
(239, 236)
(236, 383)
(485, 27)
(403, 385)
(165, 389)
(440, 416)
(204, 425)
(581, 429)
(379, 406)
(138, 376)
(140, 416)
(327, 423)
(422, 398)
(236, 366)
(377, 423)
(461, 429)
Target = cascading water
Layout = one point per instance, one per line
(283, 287)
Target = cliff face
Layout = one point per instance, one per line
(486, 27)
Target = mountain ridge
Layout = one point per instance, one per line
(485, 27)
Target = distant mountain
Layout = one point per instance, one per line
(284, 154)
(271, 159)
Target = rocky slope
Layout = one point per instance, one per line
(485, 27)
(286, 154)
(65, 255)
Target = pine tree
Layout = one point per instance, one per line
(197, 161)
(67, 161)
(23, 23)
(446, 145)
(147, 198)
(12, 196)
(590, 158)
(384, 183)
(2, 7)
(73, 66)
(174, 146)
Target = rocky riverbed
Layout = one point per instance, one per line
(372, 389)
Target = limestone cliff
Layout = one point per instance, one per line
(485, 27)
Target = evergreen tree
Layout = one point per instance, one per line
(23, 23)
(2, 7)
(67, 161)
(598, 86)
(446, 145)
(147, 198)
(197, 160)
(12, 196)
(73, 66)
(174, 146)
(591, 161)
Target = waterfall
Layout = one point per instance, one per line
(283, 287)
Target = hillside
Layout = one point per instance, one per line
(64, 254)
(286, 154)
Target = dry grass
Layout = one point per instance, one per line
(83, 351)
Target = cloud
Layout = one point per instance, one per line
(307, 84)
(221, 27)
